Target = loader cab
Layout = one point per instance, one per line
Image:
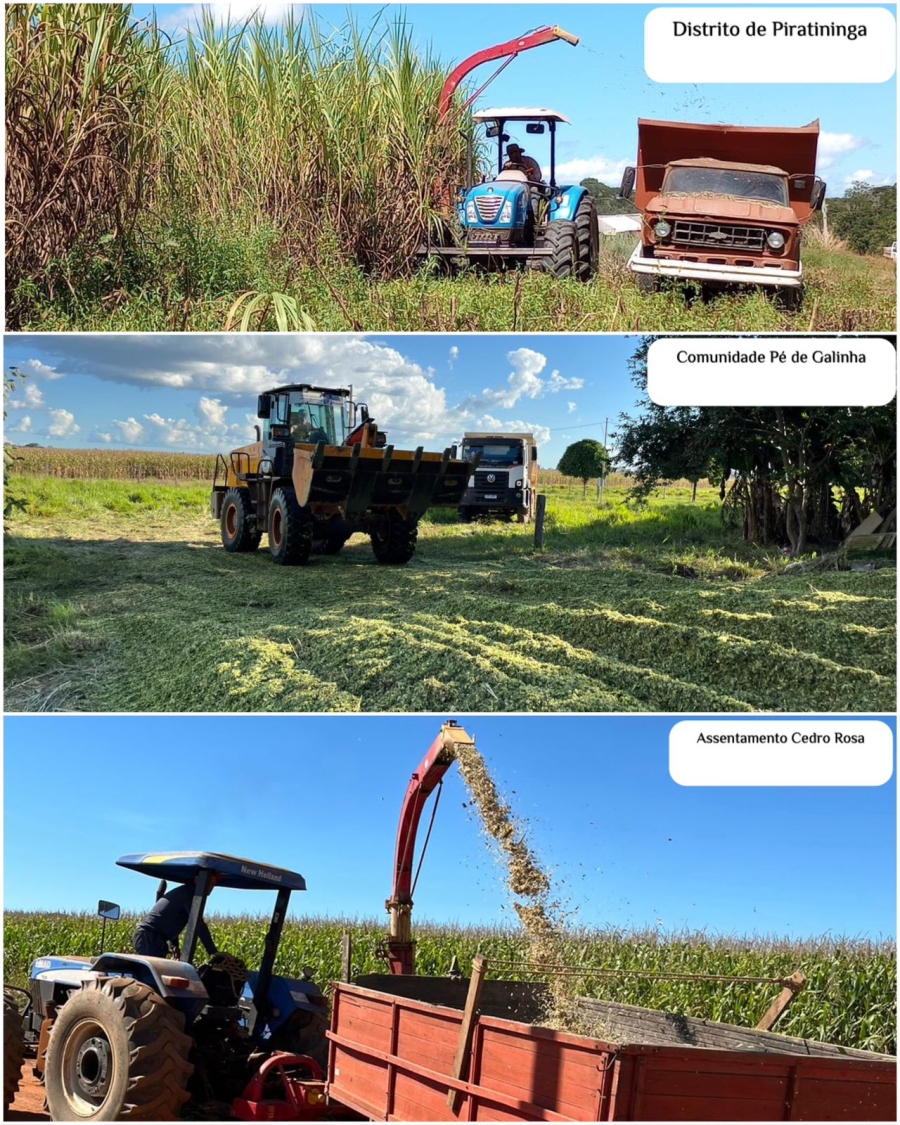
(302, 414)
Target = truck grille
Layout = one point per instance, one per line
(499, 484)
(719, 235)
(488, 207)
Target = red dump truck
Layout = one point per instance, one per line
(395, 1047)
(723, 204)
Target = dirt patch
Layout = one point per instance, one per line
(29, 1101)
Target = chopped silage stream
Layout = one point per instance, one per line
(540, 914)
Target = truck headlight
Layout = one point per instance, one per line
(506, 212)
(662, 229)
(775, 239)
(471, 216)
(518, 484)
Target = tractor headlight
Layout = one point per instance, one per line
(775, 239)
(518, 484)
(471, 216)
(663, 229)
(506, 212)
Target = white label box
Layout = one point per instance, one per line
(762, 45)
(781, 752)
(772, 371)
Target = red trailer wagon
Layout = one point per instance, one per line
(395, 1042)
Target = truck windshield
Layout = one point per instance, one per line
(317, 421)
(494, 453)
(726, 181)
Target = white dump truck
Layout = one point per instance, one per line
(505, 480)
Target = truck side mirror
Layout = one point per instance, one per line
(817, 197)
(108, 910)
(627, 183)
(534, 453)
(264, 406)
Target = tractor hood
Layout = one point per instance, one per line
(792, 151)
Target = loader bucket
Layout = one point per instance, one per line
(791, 150)
(362, 480)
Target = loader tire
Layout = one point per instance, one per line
(239, 529)
(117, 1052)
(587, 237)
(395, 542)
(290, 530)
(561, 239)
(13, 1049)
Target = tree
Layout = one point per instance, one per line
(866, 217)
(11, 503)
(608, 200)
(586, 459)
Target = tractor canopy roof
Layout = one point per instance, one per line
(519, 113)
(239, 874)
(344, 392)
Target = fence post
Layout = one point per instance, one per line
(346, 956)
(539, 513)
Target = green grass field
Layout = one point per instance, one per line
(850, 998)
(120, 597)
(844, 293)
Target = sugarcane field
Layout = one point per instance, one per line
(575, 948)
(178, 169)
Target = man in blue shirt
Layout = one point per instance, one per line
(164, 923)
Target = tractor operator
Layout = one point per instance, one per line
(516, 158)
(163, 924)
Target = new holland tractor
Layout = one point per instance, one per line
(321, 470)
(127, 1037)
(514, 216)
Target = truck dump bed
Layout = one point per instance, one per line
(393, 1045)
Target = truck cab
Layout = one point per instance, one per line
(504, 482)
(723, 204)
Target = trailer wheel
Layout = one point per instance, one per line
(117, 1052)
(13, 1050)
(588, 238)
(290, 530)
(239, 528)
(560, 238)
(394, 543)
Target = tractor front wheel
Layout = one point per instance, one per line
(290, 530)
(13, 1050)
(117, 1052)
(588, 238)
(394, 542)
(561, 239)
(239, 530)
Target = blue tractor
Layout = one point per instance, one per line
(517, 217)
(127, 1037)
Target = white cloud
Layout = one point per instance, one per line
(573, 406)
(182, 16)
(212, 412)
(558, 383)
(832, 146)
(453, 356)
(867, 176)
(63, 424)
(523, 380)
(22, 427)
(32, 398)
(105, 438)
(597, 167)
(41, 370)
(130, 430)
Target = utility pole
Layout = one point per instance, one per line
(601, 484)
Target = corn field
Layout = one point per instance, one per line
(128, 153)
(850, 997)
(111, 464)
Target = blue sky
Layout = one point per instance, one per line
(322, 795)
(197, 393)
(602, 86)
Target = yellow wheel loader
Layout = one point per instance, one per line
(321, 470)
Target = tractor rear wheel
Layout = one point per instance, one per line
(560, 238)
(394, 543)
(239, 529)
(117, 1052)
(588, 238)
(290, 529)
(13, 1049)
